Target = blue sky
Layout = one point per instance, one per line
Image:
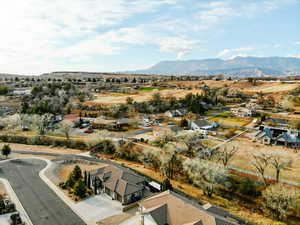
(39, 36)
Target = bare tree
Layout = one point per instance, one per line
(206, 174)
(279, 200)
(260, 162)
(171, 158)
(151, 158)
(226, 154)
(66, 128)
(280, 161)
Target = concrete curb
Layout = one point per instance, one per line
(58, 192)
(17, 202)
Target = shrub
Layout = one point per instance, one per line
(42, 140)
(249, 187)
(105, 146)
(279, 200)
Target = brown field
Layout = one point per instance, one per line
(246, 147)
(243, 85)
(120, 98)
(237, 121)
(272, 87)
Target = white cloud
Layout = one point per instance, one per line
(217, 12)
(223, 53)
(294, 55)
(42, 35)
(297, 43)
(238, 55)
(180, 46)
(234, 52)
(45, 32)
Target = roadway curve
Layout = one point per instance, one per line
(42, 205)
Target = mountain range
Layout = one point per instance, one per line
(238, 66)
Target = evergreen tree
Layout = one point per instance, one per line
(6, 150)
(166, 185)
(95, 188)
(89, 181)
(80, 189)
(85, 178)
(77, 174)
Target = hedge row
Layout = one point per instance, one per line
(45, 140)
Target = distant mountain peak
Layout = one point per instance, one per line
(238, 66)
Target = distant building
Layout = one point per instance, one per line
(169, 208)
(243, 112)
(278, 136)
(202, 125)
(176, 113)
(21, 92)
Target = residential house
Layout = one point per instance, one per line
(169, 208)
(278, 136)
(176, 113)
(243, 112)
(202, 125)
(122, 185)
(21, 92)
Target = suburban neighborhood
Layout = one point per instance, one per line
(150, 112)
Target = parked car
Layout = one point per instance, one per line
(89, 131)
(84, 125)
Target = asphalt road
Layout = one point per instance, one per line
(42, 205)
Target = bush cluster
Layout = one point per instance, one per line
(43, 140)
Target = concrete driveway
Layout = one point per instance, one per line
(42, 205)
(98, 208)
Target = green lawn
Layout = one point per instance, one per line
(146, 89)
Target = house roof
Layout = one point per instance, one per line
(201, 123)
(159, 214)
(285, 135)
(118, 180)
(177, 210)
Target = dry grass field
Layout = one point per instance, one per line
(243, 85)
(246, 147)
(272, 87)
(237, 121)
(141, 96)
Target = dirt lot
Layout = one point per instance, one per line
(117, 98)
(246, 147)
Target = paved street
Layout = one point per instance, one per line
(41, 204)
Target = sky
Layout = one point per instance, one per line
(39, 36)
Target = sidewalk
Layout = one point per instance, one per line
(16, 201)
